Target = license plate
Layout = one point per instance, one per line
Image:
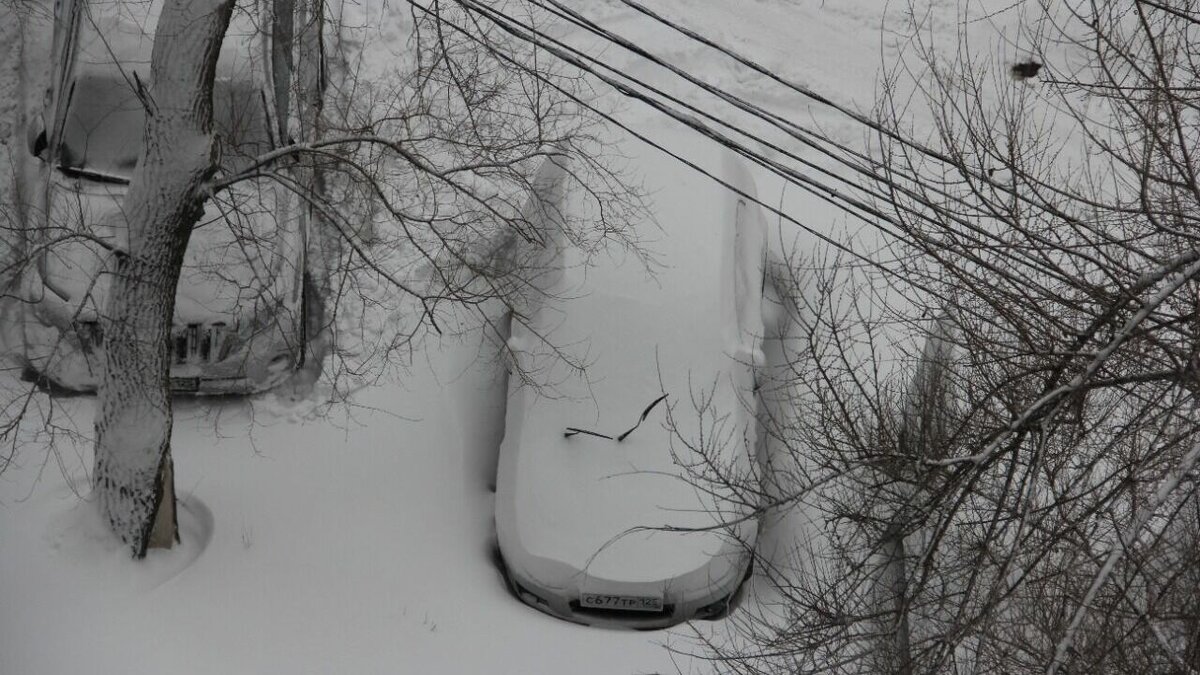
(631, 603)
(185, 384)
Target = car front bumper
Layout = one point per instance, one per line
(680, 601)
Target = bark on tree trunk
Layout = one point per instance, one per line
(133, 476)
(311, 83)
(892, 594)
(283, 20)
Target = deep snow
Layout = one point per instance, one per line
(356, 544)
(358, 540)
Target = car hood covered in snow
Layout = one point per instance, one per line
(583, 509)
(237, 256)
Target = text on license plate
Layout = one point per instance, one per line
(635, 603)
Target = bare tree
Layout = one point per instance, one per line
(1027, 508)
(425, 196)
(133, 475)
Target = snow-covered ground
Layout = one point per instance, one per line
(358, 541)
(354, 544)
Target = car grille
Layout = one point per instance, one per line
(195, 343)
(199, 343)
(89, 334)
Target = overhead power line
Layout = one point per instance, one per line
(640, 90)
(857, 162)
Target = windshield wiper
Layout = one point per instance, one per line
(92, 174)
(645, 414)
(571, 431)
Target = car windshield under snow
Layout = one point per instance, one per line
(103, 128)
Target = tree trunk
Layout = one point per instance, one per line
(133, 476)
(921, 436)
(891, 594)
(283, 20)
(311, 83)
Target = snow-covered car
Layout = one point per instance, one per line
(238, 325)
(610, 503)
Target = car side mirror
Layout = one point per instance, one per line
(35, 136)
(516, 344)
(772, 314)
(752, 355)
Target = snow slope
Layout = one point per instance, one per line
(358, 542)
